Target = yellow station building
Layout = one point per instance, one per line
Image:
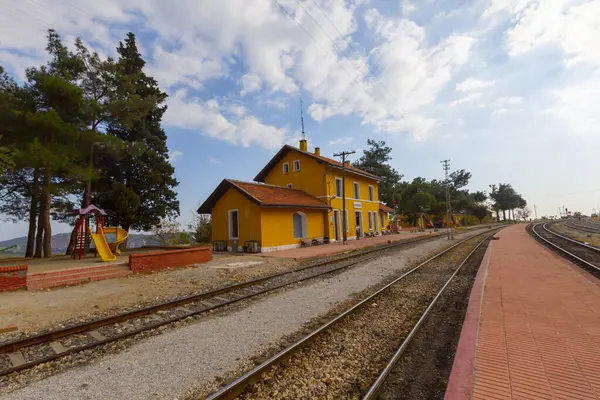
(296, 197)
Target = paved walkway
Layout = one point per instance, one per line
(538, 327)
(302, 253)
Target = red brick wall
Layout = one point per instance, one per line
(13, 278)
(158, 260)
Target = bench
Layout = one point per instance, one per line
(305, 243)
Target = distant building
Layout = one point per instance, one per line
(297, 196)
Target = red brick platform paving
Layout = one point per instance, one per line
(539, 328)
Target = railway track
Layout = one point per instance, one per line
(588, 257)
(585, 227)
(380, 320)
(29, 351)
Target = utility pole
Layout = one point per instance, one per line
(449, 230)
(343, 154)
(535, 210)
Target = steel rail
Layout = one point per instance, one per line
(235, 388)
(376, 386)
(97, 323)
(580, 227)
(91, 325)
(533, 229)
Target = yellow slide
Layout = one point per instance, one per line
(108, 250)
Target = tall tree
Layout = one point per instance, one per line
(375, 160)
(137, 186)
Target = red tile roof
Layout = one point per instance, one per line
(264, 195)
(383, 207)
(279, 195)
(271, 164)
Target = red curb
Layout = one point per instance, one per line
(460, 383)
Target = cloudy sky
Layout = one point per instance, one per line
(507, 89)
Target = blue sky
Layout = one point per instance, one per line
(507, 89)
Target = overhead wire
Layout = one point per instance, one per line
(349, 43)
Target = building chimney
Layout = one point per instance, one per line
(347, 163)
(317, 151)
(303, 145)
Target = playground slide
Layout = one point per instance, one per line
(102, 246)
(121, 235)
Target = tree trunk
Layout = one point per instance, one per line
(87, 195)
(40, 231)
(46, 205)
(72, 240)
(35, 188)
(124, 244)
(504, 215)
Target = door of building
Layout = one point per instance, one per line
(336, 225)
(358, 223)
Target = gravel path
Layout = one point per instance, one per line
(166, 366)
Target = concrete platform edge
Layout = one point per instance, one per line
(460, 383)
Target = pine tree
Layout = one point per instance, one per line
(375, 161)
(137, 187)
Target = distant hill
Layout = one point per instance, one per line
(61, 241)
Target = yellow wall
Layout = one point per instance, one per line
(308, 179)
(278, 225)
(366, 205)
(248, 214)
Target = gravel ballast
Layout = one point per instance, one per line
(344, 360)
(166, 366)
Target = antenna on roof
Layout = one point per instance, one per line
(302, 119)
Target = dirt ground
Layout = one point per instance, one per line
(36, 311)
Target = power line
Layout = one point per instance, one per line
(349, 43)
(355, 79)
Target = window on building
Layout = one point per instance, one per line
(371, 193)
(356, 190)
(338, 187)
(296, 165)
(299, 225)
(370, 220)
(233, 224)
(289, 185)
(286, 168)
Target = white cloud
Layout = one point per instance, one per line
(206, 117)
(469, 98)
(499, 111)
(197, 41)
(471, 84)
(238, 110)
(274, 103)
(507, 101)
(214, 161)
(175, 155)
(576, 106)
(573, 26)
(342, 141)
(250, 83)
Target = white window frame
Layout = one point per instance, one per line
(354, 186)
(371, 193)
(341, 187)
(289, 186)
(284, 168)
(229, 212)
(370, 220)
(303, 223)
(294, 165)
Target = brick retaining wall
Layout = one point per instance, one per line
(159, 260)
(13, 278)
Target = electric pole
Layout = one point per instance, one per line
(343, 154)
(535, 210)
(450, 231)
